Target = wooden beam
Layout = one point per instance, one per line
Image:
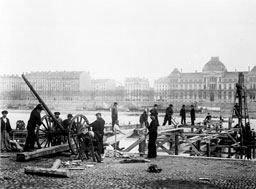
(134, 144)
(111, 140)
(42, 152)
(47, 171)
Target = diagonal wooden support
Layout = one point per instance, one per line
(191, 144)
(134, 144)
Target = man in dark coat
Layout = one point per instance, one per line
(192, 115)
(114, 115)
(183, 115)
(168, 115)
(98, 129)
(33, 122)
(5, 132)
(152, 128)
(154, 112)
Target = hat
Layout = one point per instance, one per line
(155, 105)
(192, 105)
(5, 112)
(69, 115)
(56, 113)
(171, 105)
(39, 107)
(115, 103)
(98, 114)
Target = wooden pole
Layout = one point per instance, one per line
(176, 144)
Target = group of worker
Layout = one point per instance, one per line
(97, 127)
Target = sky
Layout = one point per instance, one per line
(134, 38)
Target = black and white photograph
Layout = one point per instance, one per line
(128, 94)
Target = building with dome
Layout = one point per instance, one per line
(214, 86)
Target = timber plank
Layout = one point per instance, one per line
(42, 152)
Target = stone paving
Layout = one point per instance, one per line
(177, 172)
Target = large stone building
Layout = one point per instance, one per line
(137, 89)
(213, 86)
(49, 85)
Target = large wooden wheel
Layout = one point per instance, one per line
(78, 124)
(44, 132)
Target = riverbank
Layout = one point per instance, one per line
(177, 172)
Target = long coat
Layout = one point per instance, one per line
(5, 126)
(192, 114)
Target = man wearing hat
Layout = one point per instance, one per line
(5, 132)
(57, 139)
(114, 115)
(33, 122)
(98, 128)
(168, 115)
(66, 124)
(154, 112)
(67, 121)
(152, 128)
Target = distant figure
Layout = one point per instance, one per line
(221, 121)
(98, 129)
(183, 115)
(142, 135)
(114, 114)
(152, 128)
(33, 122)
(236, 109)
(154, 112)
(192, 115)
(168, 115)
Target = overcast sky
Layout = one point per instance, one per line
(117, 39)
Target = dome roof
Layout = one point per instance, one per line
(175, 71)
(214, 65)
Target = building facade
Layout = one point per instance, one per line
(49, 85)
(214, 85)
(137, 89)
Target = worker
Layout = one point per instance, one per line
(33, 122)
(168, 115)
(114, 114)
(98, 128)
(152, 128)
(183, 115)
(155, 112)
(192, 115)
